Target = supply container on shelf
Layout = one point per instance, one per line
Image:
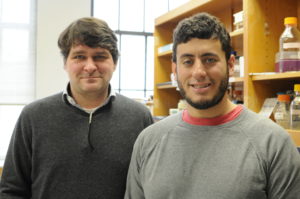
(288, 57)
(295, 108)
(282, 111)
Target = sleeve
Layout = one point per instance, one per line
(148, 119)
(16, 176)
(134, 188)
(284, 171)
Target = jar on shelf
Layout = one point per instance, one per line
(295, 109)
(288, 57)
(282, 111)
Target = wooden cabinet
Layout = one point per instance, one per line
(166, 97)
(257, 42)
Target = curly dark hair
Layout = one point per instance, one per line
(89, 31)
(201, 26)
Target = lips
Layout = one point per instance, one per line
(90, 76)
(198, 86)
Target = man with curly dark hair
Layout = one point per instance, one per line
(214, 148)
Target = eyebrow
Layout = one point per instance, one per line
(84, 52)
(186, 55)
(209, 54)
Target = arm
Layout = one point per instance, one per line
(284, 172)
(134, 189)
(16, 177)
(148, 119)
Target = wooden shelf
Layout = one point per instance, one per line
(237, 33)
(236, 79)
(167, 87)
(274, 76)
(193, 7)
(165, 54)
(295, 134)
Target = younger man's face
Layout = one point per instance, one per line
(202, 72)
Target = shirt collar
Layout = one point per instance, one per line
(70, 99)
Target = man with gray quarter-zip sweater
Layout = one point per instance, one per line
(77, 143)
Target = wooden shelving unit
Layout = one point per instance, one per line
(295, 136)
(166, 54)
(166, 97)
(275, 76)
(257, 41)
(236, 80)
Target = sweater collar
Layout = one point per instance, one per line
(67, 95)
(212, 121)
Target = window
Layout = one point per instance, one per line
(133, 22)
(17, 59)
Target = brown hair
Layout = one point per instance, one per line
(201, 26)
(89, 31)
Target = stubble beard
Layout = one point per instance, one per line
(205, 104)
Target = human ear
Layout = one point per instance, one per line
(230, 65)
(174, 71)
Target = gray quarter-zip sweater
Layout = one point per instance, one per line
(58, 151)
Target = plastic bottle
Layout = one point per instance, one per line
(295, 109)
(282, 111)
(288, 57)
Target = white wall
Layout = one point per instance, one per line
(53, 16)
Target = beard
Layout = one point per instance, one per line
(205, 104)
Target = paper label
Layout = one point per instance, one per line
(291, 45)
(279, 116)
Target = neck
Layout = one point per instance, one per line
(90, 100)
(224, 107)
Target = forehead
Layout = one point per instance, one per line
(81, 48)
(197, 46)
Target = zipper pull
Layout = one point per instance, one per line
(90, 118)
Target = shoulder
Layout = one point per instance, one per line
(261, 126)
(267, 137)
(43, 104)
(157, 131)
(128, 104)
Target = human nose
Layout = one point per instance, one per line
(90, 65)
(199, 70)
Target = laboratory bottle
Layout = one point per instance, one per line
(295, 109)
(282, 111)
(288, 57)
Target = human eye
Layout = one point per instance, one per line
(100, 57)
(187, 61)
(78, 57)
(209, 60)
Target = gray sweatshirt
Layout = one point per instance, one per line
(249, 157)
